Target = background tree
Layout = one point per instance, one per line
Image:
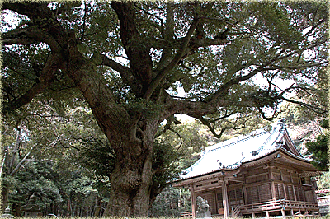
(310, 129)
(16, 150)
(171, 202)
(324, 181)
(41, 158)
(319, 150)
(129, 59)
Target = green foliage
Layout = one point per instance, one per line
(320, 148)
(325, 124)
(37, 178)
(320, 152)
(186, 141)
(164, 163)
(171, 202)
(97, 156)
(324, 181)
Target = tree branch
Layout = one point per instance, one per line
(125, 72)
(46, 78)
(29, 9)
(293, 67)
(30, 35)
(176, 43)
(135, 47)
(168, 36)
(225, 87)
(263, 115)
(163, 72)
(21, 162)
(211, 128)
(170, 120)
(314, 108)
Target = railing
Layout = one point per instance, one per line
(266, 206)
(278, 204)
(186, 214)
(297, 204)
(236, 211)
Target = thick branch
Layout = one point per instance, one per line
(168, 35)
(110, 116)
(18, 166)
(46, 78)
(29, 35)
(170, 120)
(42, 27)
(163, 72)
(19, 41)
(211, 128)
(125, 72)
(29, 9)
(314, 108)
(134, 44)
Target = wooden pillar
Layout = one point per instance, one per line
(292, 212)
(193, 201)
(314, 194)
(291, 178)
(286, 194)
(273, 190)
(253, 215)
(267, 214)
(244, 190)
(245, 195)
(225, 199)
(294, 192)
(283, 212)
(272, 186)
(216, 209)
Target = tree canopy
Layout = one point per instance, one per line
(128, 62)
(320, 148)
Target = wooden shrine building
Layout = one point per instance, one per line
(260, 174)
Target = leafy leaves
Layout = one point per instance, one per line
(319, 149)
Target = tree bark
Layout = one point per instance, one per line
(131, 180)
(4, 197)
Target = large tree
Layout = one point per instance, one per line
(130, 59)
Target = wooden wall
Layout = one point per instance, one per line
(263, 184)
(211, 200)
(289, 186)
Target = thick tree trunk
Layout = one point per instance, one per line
(131, 180)
(131, 135)
(17, 210)
(129, 192)
(4, 197)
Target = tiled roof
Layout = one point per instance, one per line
(230, 154)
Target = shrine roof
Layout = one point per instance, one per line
(232, 153)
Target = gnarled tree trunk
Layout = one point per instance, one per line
(131, 180)
(4, 197)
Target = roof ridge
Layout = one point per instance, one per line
(270, 137)
(239, 140)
